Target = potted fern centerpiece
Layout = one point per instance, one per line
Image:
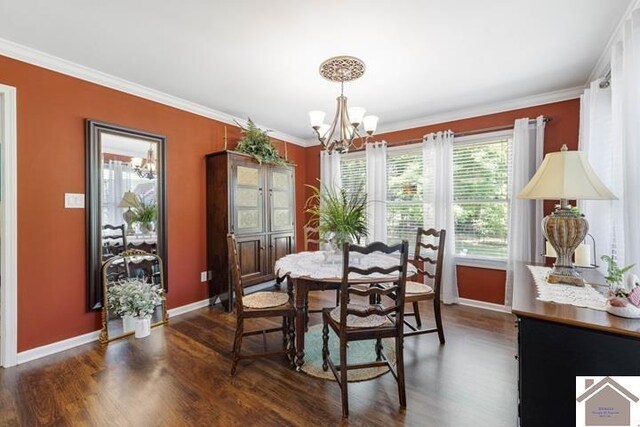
(339, 214)
(146, 215)
(257, 143)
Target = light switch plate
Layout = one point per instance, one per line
(203, 276)
(73, 200)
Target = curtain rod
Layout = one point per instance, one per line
(459, 134)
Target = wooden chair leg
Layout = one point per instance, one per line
(337, 297)
(402, 394)
(416, 312)
(343, 379)
(285, 332)
(325, 345)
(237, 345)
(306, 314)
(292, 341)
(438, 315)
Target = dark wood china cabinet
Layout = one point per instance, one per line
(256, 202)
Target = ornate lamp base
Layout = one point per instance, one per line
(128, 216)
(565, 231)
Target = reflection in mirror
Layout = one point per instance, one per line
(129, 194)
(134, 301)
(125, 171)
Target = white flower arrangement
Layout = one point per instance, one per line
(134, 297)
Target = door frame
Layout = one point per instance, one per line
(9, 224)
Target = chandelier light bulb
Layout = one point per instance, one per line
(356, 114)
(370, 124)
(136, 162)
(316, 118)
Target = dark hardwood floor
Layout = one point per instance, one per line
(180, 376)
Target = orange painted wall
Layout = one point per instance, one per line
(51, 161)
(479, 283)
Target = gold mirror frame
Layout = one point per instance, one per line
(104, 333)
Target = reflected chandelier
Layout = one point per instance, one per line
(344, 130)
(145, 168)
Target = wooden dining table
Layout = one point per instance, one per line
(320, 271)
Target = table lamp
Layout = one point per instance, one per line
(562, 176)
(129, 200)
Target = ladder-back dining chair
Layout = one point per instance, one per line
(354, 322)
(259, 305)
(429, 265)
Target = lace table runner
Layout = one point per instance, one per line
(581, 296)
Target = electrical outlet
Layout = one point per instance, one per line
(203, 276)
(74, 200)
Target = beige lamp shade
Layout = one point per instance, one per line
(129, 200)
(566, 175)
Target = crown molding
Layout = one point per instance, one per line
(483, 110)
(603, 64)
(54, 63)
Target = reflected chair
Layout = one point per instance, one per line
(114, 240)
(354, 322)
(259, 305)
(434, 241)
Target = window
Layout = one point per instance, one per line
(405, 212)
(480, 193)
(353, 169)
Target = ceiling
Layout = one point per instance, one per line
(259, 59)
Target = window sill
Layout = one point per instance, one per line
(493, 264)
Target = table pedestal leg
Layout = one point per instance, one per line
(301, 296)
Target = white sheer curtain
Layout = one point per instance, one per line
(330, 169)
(524, 240)
(625, 93)
(604, 154)
(117, 180)
(376, 157)
(437, 152)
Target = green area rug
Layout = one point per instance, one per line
(357, 352)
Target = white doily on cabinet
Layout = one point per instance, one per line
(580, 296)
(315, 265)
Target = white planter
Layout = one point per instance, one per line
(128, 323)
(143, 327)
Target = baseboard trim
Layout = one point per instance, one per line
(189, 307)
(484, 305)
(69, 343)
(57, 347)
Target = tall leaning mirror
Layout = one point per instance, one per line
(126, 198)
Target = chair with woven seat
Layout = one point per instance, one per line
(259, 305)
(417, 291)
(355, 322)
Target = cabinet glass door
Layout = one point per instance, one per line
(248, 199)
(281, 203)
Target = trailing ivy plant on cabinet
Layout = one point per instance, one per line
(256, 202)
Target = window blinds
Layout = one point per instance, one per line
(480, 189)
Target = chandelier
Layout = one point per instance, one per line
(345, 129)
(145, 168)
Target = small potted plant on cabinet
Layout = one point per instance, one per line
(622, 301)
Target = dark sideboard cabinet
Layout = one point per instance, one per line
(557, 342)
(256, 202)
